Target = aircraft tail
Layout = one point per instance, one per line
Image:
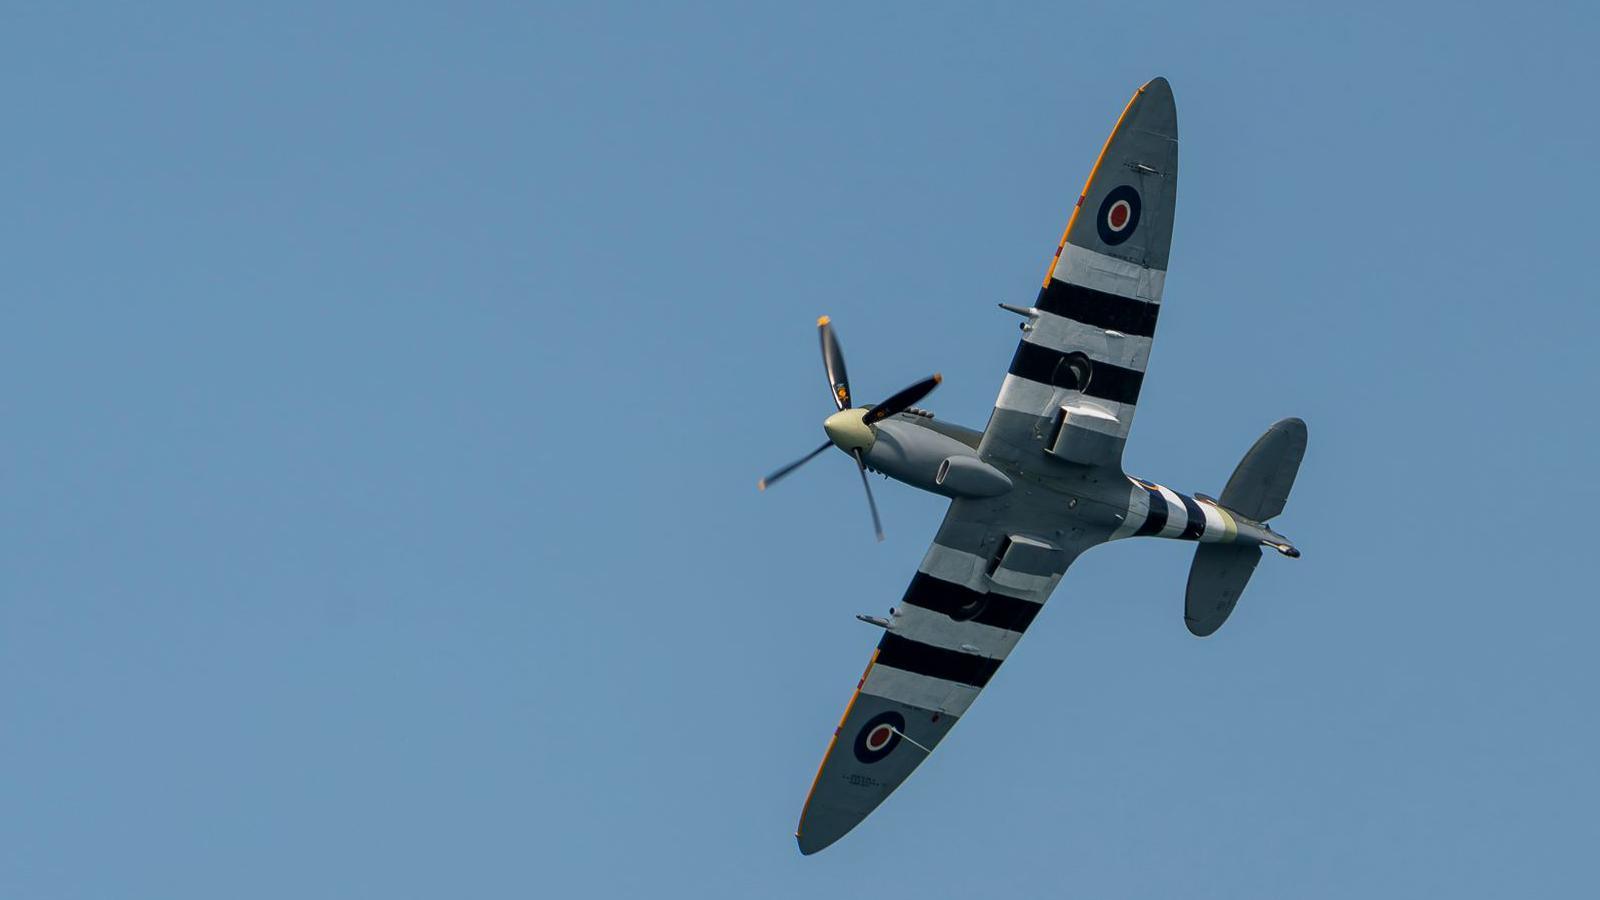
(1260, 485)
(1258, 490)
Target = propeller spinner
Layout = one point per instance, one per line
(850, 428)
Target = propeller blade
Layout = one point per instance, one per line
(861, 463)
(772, 479)
(833, 364)
(904, 400)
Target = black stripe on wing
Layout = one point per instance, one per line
(908, 655)
(1049, 366)
(964, 604)
(1099, 309)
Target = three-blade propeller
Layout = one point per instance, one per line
(850, 429)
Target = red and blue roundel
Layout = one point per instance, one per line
(1119, 215)
(879, 736)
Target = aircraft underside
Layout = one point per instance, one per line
(1043, 481)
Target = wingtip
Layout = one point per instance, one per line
(1158, 109)
(814, 845)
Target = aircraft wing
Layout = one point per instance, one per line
(977, 590)
(1070, 392)
(1075, 379)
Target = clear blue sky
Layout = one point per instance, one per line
(384, 393)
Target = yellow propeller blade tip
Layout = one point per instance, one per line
(823, 321)
(761, 485)
(937, 378)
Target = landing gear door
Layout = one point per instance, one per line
(1023, 566)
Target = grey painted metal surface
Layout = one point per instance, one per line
(1260, 485)
(1216, 579)
(1046, 481)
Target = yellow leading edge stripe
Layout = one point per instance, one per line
(835, 739)
(1078, 207)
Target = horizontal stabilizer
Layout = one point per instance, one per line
(1216, 580)
(1260, 485)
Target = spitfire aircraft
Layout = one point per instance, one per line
(1041, 484)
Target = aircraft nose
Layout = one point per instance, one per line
(847, 430)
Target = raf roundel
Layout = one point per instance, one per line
(1117, 219)
(879, 736)
(1119, 215)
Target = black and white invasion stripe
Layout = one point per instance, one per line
(1098, 306)
(1157, 511)
(948, 637)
